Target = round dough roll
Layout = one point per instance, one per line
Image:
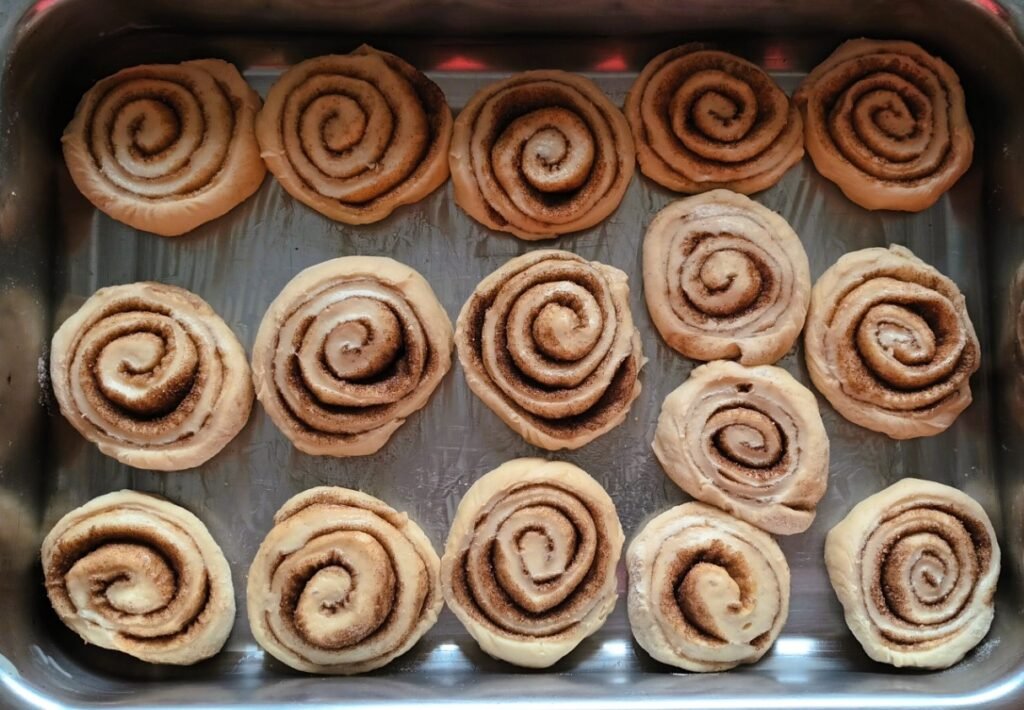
(529, 568)
(347, 351)
(540, 154)
(748, 440)
(707, 592)
(725, 278)
(548, 343)
(886, 122)
(704, 119)
(915, 568)
(166, 147)
(889, 343)
(342, 583)
(151, 375)
(134, 573)
(354, 136)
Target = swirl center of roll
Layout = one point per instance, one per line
(725, 282)
(744, 436)
(358, 338)
(119, 579)
(551, 147)
(715, 106)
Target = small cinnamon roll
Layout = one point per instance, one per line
(915, 568)
(889, 343)
(529, 567)
(151, 375)
(748, 440)
(347, 351)
(134, 573)
(540, 154)
(355, 136)
(342, 583)
(705, 119)
(725, 278)
(548, 343)
(166, 147)
(886, 122)
(707, 592)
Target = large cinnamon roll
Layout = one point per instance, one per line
(889, 343)
(166, 147)
(703, 119)
(342, 583)
(354, 136)
(725, 278)
(151, 375)
(886, 122)
(540, 154)
(347, 351)
(915, 568)
(529, 567)
(137, 574)
(707, 592)
(748, 440)
(547, 342)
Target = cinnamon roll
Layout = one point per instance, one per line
(347, 351)
(703, 119)
(166, 147)
(748, 440)
(547, 342)
(889, 343)
(725, 278)
(151, 375)
(342, 583)
(134, 573)
(707, 592)
(915, 568)
(529, 568)
(540, 154)
(886, 122)
(354, 136)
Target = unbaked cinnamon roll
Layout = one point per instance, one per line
(529, 567)
(540, 154)
(748, 440)
(137, 574)
(915, 568)
(889, 343)
(151, 375)
(886, 122)
(548, 343)
(703, 119)
(347, 351)
(166, 147)
(725, 278)
(707, 592)
(355, 136)
(342, 583)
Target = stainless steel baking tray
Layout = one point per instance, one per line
(55, 250)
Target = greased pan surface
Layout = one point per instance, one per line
(58, 250)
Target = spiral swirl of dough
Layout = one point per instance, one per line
(547, 342)
(137, 574)
(540, 154)
(347, 351)
(889, 343)
(166, 147)
(707, 592)
(151, 375)
(705, 119)
(529, 567)
(342, 583)
(355, 136)
(748, 440)
(886, 122)
(915, 568)
(725, 278)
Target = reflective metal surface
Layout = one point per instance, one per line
(55, 250)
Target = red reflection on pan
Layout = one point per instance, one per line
(615, 62)
(461, 63)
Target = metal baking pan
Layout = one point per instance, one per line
(55, 250)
